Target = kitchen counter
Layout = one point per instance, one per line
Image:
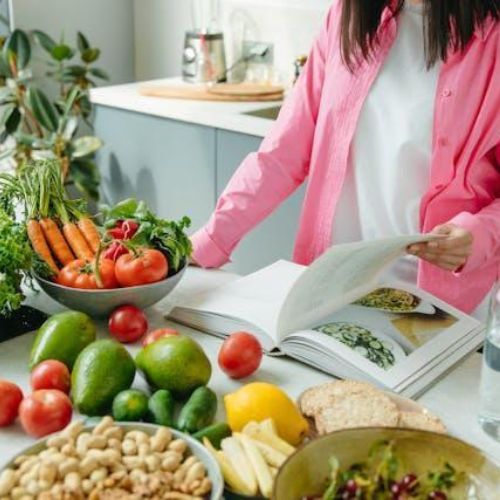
(455, 398)
(220, 115)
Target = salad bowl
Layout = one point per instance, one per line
(100, 303)
(306, 473)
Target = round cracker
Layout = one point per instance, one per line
(361, 409)
(421, 421)
(321, 396)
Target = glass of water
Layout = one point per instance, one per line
(489, 413)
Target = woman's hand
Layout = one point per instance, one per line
(449, 253)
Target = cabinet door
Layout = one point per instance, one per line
(170, 164)
(274, 238)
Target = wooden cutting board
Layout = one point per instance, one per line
(239, 92)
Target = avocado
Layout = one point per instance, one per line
(62, 337)
(101, 371)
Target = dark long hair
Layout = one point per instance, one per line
(447, 24)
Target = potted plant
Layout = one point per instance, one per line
(16, 263)
(34, 125)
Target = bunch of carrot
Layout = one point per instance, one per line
(59, 229)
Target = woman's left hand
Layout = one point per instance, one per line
(449, 253)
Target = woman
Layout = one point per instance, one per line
(395, 123)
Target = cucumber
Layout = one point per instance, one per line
(214, 433)
(161, 408)
(199, 411)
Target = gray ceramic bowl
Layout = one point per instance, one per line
(100, 303)
(195, 446)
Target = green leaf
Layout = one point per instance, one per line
(75, 71)
(6, 112)
(85, 175)
(44, 40)
(99, 73)
(62, 52)
(90, 55)
(43, 109)
(4, 67)
(82, 42)
(18, 44)
(12, 123)
(85, 146)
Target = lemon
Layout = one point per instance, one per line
(259, 401)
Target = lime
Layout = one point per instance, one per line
(130, 406)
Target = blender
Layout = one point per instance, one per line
(204, 58)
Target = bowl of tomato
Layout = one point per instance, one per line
(100, 302)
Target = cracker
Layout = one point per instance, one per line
(421, 421)
(353, 410)
(322, 396)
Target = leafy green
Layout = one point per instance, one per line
(16, 259)
(165, 235)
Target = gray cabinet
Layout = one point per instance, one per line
(180, 169)
(274, 238)
(168, 163)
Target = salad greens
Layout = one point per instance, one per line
(380, 478)
(16, 259)
(165, 235)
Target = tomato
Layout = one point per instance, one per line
(158, 334)
(240, 355)
(44, 412)
(127, 324)
(114, 251)
(10, 399)
(146, 266)
(80, 274)
(51, 374)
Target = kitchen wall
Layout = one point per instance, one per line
(160, 26)
(108, 24)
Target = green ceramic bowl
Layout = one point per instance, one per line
(195, 447)
(305, 473)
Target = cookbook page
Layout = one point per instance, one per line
(255, 299)
(340, 276)
(391, 334)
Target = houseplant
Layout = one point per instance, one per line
(35, 125)
(16, 263)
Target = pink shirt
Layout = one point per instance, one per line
(312, 138)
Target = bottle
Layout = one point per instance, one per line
(489, 413)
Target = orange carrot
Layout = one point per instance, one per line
(90, 233)
(39, 244)
(77, 242)
(56, 241)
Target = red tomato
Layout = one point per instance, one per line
(44, 412)
(158, 334)
(146, 266)
(10, 399)
(127, 324)
(80, 274)
(240, 355)
(51, 374)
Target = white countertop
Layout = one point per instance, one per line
(454, 399)
(222, 115)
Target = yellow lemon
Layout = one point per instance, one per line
(259, 401)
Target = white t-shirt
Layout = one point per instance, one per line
(390, 156)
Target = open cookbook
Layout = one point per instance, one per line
(336, 316)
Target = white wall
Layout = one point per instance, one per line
(108, 24)
(160, 26)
